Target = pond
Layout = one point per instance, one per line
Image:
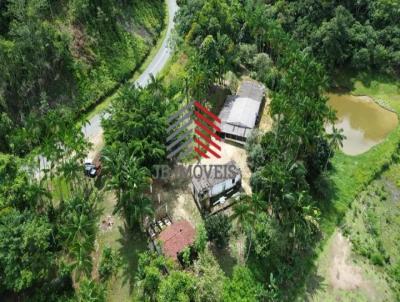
(364, 122)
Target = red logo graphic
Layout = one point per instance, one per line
(206, 132)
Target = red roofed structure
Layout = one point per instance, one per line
(176, 237)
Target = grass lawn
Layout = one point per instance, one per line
(373, 223)
(364, 269)
(128, 244)
(343, 276)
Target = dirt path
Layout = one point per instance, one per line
(343, 274)
(98, 143)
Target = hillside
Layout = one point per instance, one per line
(63, 56)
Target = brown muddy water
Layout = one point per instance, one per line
(364, 122)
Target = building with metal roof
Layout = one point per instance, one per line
(240, 112)
(211, 181)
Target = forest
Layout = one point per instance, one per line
(65, 57)
(58, 59)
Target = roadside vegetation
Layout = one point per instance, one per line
(66, 237)
(64, 58)
(57, 61)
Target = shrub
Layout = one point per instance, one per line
(247, 53)
(218, 227)
(377, 259)
(200, 242)
(242, 286)
(262, 65)
(395, 272)
(110, 262)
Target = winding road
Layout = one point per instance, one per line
(92, 130)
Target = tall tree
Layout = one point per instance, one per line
(244, 212)
(77, 228)
(25, 249)
(129, 180)
(335, 138)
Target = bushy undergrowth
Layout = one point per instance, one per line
(66, 56)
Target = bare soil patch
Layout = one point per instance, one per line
(174, 197)
(343, 274)
(265, 123)
(231, 151)
(107, 223)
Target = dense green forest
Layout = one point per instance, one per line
(65, 56)
(59, 58)
(361, 35)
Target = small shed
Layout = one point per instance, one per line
(240, 112)
(211, 182)
(176, 237)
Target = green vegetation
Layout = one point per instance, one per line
(360, 34)
(110, 262)
(218, 227)
(204, 281)
(133, 148)
(58, 57)
(46, 242)
(57, 60)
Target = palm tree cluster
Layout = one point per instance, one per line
(135, 132)
(77, 228)
(128, 180)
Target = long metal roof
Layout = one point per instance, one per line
(239, 113)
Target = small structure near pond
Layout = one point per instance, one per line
(210, 187)
(240, 112)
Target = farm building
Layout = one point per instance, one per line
(240, 112)
(215, 181)
(176, 237)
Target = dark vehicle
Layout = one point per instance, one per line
(90, 170)
(93, 167)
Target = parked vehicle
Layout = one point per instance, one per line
(93, 167)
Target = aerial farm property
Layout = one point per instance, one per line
(199, 150)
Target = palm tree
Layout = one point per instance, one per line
(302, 219)
(77, 228)
(82, 264)
(141, 208)
(129, 180)
(244, 212)
(335, 141)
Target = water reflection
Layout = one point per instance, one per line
(363, 121)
